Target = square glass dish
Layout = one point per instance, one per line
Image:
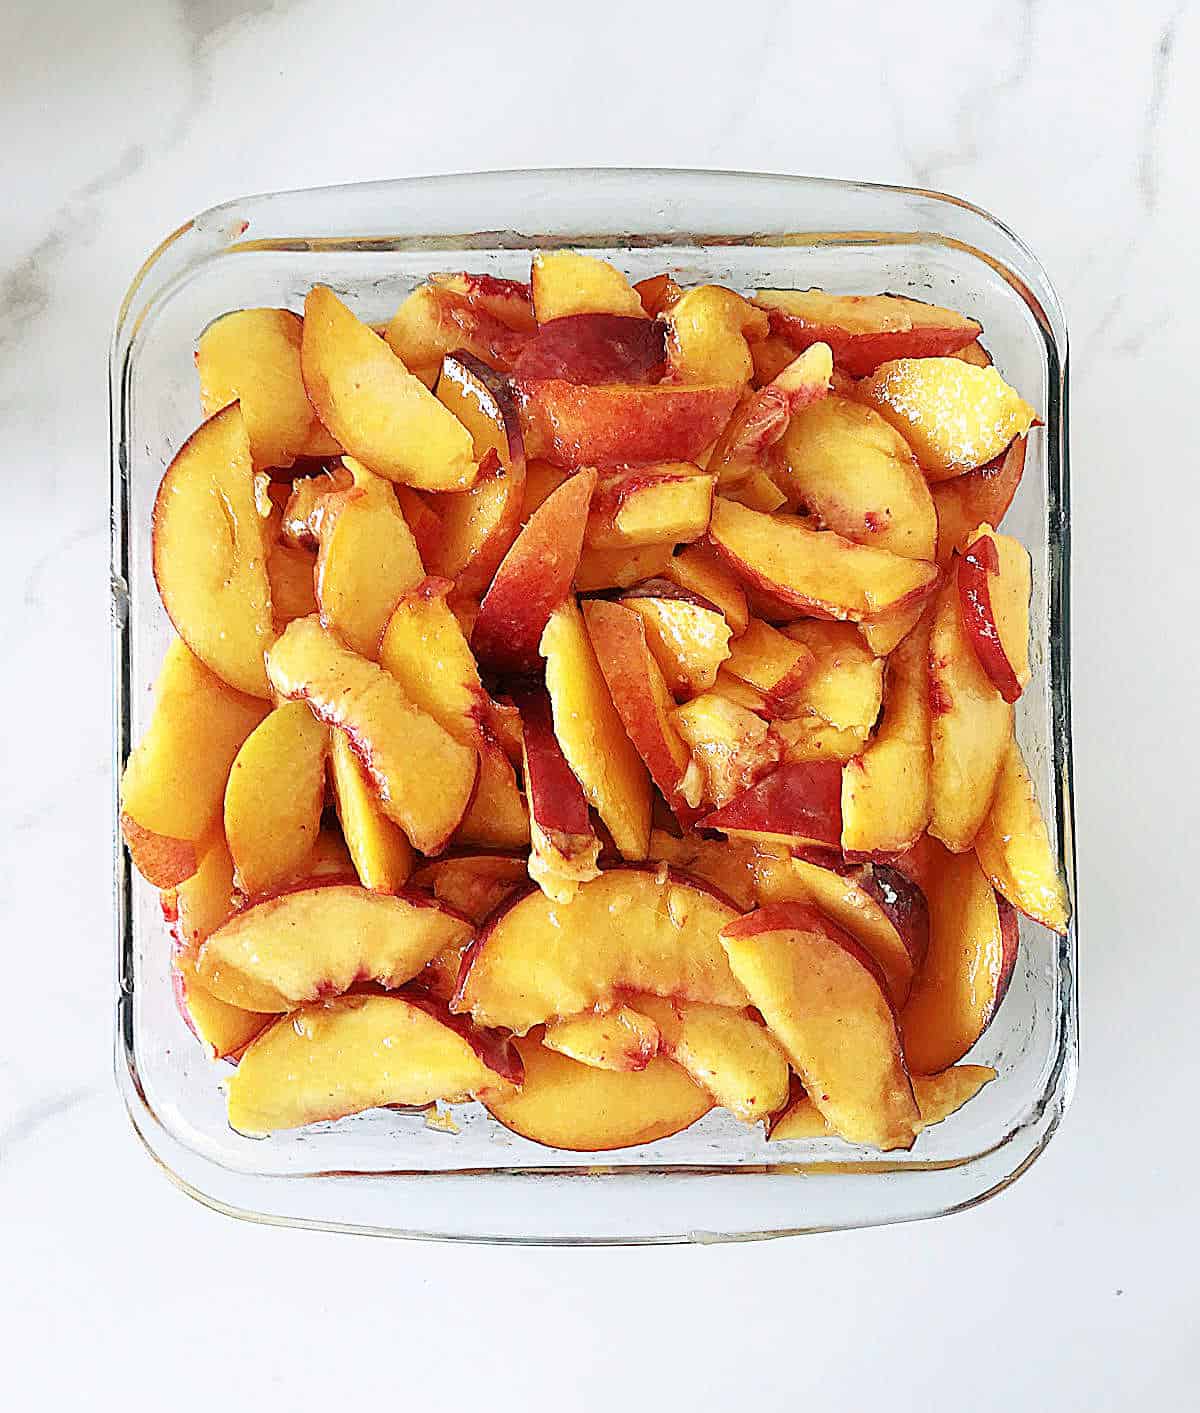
(387, 1173)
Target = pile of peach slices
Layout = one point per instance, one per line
(596, 700)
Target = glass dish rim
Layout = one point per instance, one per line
(219, 233)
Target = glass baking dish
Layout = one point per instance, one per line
(385, 1172)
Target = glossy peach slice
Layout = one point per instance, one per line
(725, 864)
(774, 665)
(731, 746)
(708, 331)
(382, 855)
(995, 579)
(845, 687)
(209, 553)
(310, 943)
(798, 804)
(594, 349)
(362, 1052)
(938, 1096)
(976, 497)
(821, 995)
(698, 570)
(669, 503)
(565, 283)
(617, 1039)
(473, 884)
(628, 930)
(689, 640)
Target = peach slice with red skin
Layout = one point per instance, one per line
(816, 572)
(582, 1109)
(798, 804)
(708, 328)
(970, 727)
(482, 401)
(697, 569)
(622, 423)
(424, 777)
(663, 504)
(566, 283)
(762, 418)
(309, 943)
(601, 569)
(689, 639)
(1013, 848)
(565, 847)
(275, 795)
(372, 405)
(658, 293)
(363, 1052)
(454, 312)
(774, 665)
(954, 415)
(822, 997)
(173, 784)
(866, 330)
(590, 732)
(618, 1039)
(595, 349)
(640, 695)
(973, 944)
(994, 583)
(630, 930)
(534, 576)
(209, 553)
(937, 1095)
(976, 497)
(509, 301)
(476, 528)
(732, 747)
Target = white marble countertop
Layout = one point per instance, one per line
(1073, 123)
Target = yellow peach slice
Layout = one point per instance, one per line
(618, 1039)
(938, 1096)
(620, 568)
(383, 857)
(669, 503)
(697, 569)
(727, 865)
(731, 746)
(845, 687)
(565, 283)
(708, 330)
(689, 642)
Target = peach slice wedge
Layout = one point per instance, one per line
(822, 997)
(995, 579)
(973, 941)
(382, 855)
(628, 930)
(976, 497)
(311, 943)
(582, 1109)
(565, 283)
(816, 572)
(173, 785)
(374, 407)
(363, 1052)
(619, 1039)
(667, 504)
(473, 884)
(938, 1096)
(697, 569)
(1013, 848)
(424, 777)
(533, 578)
(688, 637)
(798, 804)
(708, 332)
(595, 348)
(275, 796)
(776, 666)
(209, 553)
(731, 746)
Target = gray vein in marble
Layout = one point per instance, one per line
(1160, 79)
(28, 1121)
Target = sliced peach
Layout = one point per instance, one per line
(482, 401)
(370, 402)
(311, 943)
(821, 995)
(937, 1095)
(844, 463)
(368, 559)
(658, 294)
(565, 847)
(866, 330)
(473, 884)
(173, 784)
(565, 282)
(275, 796)
(975, 497)
(423, 776)
(973, 940)
(438, 318)
(798, 804)
(762, 418)
(578, 1108)
(497, 817)
(757, 491)
(304, 509)
(697, 568)
(640, 695)
(362, 1052)
(424, 522)
(595, 348)
(689, 642)
(954, 416)
(995, 579)
(735, 1058)
(476, 528)
(708, 328)
(252, 357)
(882, 634)
(383, 857)
(807, 737)
(425, 650)
(845, 688)
(662, 504)
(845, 900)
(628, 930)
(886, 789)
(815, 571)
(622, 423)
(204, 901)
(776, 666)
(726, 864)
(209, 553)
(222, 1029)
(771, 356)
(742, 694)
(509, 301)
(540, 480)
(620, 568)
(971, 725)
(732, 747)
(593, 739)
(292, 574)
(534, 576)
(1013, 848)
(618, 1039)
